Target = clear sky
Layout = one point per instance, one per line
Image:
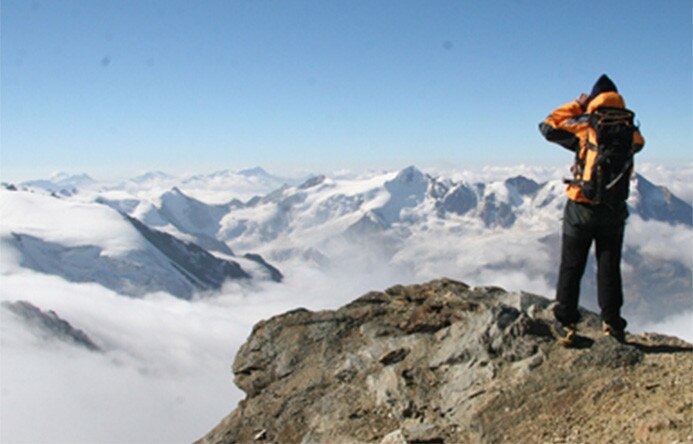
(113, 87)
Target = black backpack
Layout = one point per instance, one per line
(603, 170)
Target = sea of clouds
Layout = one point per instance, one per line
(165, 372)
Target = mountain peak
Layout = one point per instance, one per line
(312, 182)
(658, 203)
(151, 176)
(176, 190)
(523, 185)
(61, 176)
(255, 171)
(443, 362)
(61, 183)
(410, 174)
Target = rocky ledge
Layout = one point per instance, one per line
(445, 363)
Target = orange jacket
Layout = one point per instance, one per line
(568, 126)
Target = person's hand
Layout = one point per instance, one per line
(583, 99)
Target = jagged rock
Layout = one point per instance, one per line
(312, 182)
(50, 325)
(396, 437)
(434, 363)
(274, 273)
(461, 200)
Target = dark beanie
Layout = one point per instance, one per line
(603, 84)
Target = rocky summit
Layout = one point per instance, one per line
(446, 363)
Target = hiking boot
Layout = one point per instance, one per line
(565, 334)
(619, 335)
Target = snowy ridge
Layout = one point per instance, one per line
(89, 242)
(410, 198)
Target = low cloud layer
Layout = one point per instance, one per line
(165, 375)
(680, 325)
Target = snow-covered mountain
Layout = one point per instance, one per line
(405, 223)
(217, 187)
(89, 242)
(178, 214)
(61, 183)
(423, 226)
(409, 200)
(653, 202)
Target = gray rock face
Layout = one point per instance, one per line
(497, 214)
(274, 272)
(50, 325)
(460, 200)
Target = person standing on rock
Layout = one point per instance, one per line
(600, 131)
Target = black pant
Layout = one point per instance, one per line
(582, 225)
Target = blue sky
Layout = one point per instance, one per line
(119, 87)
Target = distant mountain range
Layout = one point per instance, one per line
(422, 225)
(61, 183)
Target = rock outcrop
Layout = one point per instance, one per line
(446, 363)
(49, 325)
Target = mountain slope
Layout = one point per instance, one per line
(189, 216)
(652, 202)
(85, 242)
(446, 363)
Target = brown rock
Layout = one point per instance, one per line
(443, 362)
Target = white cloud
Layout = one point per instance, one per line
(679, 325)
(165, 375)
(679, 180)
(660, 240)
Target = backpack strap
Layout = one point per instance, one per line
(626, 167)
